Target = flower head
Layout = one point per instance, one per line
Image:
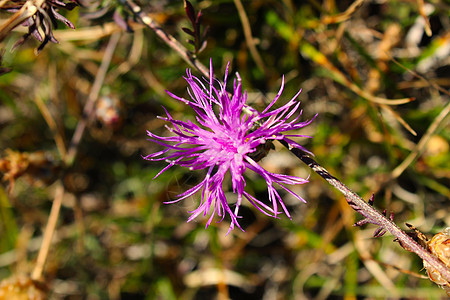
(40, 16)
(228, 138)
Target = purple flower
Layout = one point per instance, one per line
(229, 138)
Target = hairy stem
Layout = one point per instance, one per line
(371, 214)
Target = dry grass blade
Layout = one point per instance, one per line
(133, 57)
(90, 102)
(401, 270)
(425, 81)
(422, 143)
(399, 119)
(48, 233)
(250, 41)
(315, 55)
(422, 12)
(342, 16)
(92, 33)
(372, 266)
(52, 125)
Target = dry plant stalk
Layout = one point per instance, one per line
(440, 269)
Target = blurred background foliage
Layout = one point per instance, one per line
(115, 238)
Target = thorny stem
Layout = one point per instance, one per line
(371, 214)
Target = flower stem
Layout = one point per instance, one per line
(372, 215)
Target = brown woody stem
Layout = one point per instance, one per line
(374, 216)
